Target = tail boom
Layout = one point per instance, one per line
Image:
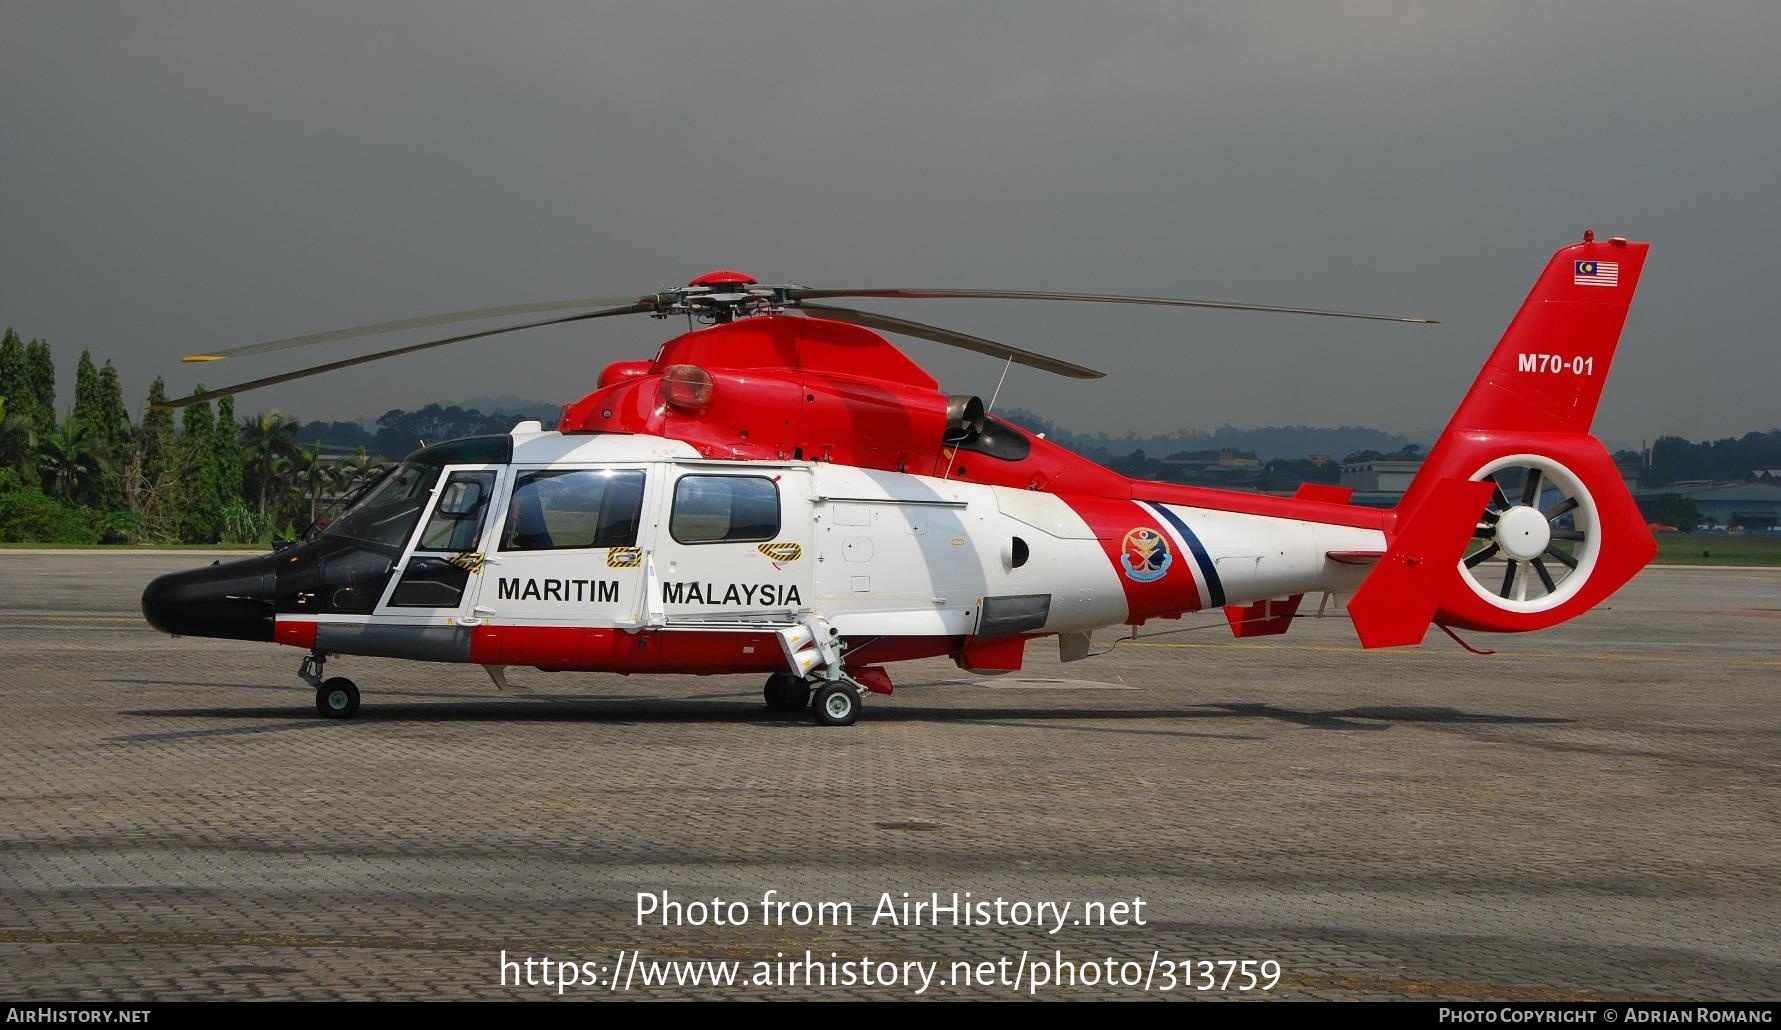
(1557, 532)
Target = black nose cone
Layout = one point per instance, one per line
(232, 599)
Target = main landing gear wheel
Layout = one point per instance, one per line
(837, 704)
(786, 693)
(337, 698)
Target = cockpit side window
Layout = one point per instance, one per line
(456, 523)
(386, 515)
(561, 509)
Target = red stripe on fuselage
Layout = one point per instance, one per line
(669, 651)
(1169, 595)
(1298, 508)
(605, 649)
(294, 633)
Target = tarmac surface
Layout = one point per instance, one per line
(1594, 812)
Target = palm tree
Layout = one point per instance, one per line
(267, 437)
(315, 475)
(68, 455)
(356, 468)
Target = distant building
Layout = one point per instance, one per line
(1319, 460)
(1225, 467)
(1752, 505)
(1379, 477)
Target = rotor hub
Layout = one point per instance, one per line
(1523, 532)
(724, 277)
(722, 296)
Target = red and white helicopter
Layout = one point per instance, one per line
(784, 492)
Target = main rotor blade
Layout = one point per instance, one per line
(1098, 298)
(285, 377)
(977, 344)
(378, 328)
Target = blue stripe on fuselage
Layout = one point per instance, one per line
(1204, 560)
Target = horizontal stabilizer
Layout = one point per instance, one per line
(1324, 492)
(1263, 618)
(1355, 557)
(1395, 605)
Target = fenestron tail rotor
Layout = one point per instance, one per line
(1541, 525)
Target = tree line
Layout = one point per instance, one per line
(1675, 460)
(91, 474)
(398, 432)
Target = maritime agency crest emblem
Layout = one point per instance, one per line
(1145, 556)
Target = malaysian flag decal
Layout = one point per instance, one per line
(1595, 273)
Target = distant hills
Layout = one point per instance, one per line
(1265, 442)
(502, 404)
(397, 432)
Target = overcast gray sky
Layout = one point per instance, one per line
(186, 176)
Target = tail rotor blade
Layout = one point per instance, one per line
(1501, 499)
(1481, 556)
(1561, 508)
(1564, 559)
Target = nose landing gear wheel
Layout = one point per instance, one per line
(837, 704)
(785, 693)
(337, 698)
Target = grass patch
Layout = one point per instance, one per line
(134, 547)
(1677, 549)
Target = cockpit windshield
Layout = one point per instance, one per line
(387, 515)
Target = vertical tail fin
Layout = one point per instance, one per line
(1559, 532)
(1547, 372)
